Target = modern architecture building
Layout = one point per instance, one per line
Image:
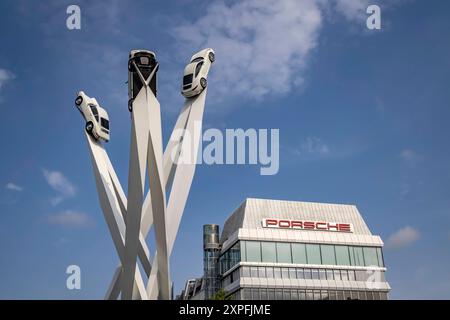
(290, 250)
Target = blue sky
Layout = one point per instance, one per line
(363, 119)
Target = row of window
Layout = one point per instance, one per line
(303, 273)
(300, 253)
(294, 294)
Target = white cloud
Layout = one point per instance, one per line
(402, 238)
(353, 10)
(314, 145)
(410, 157)
(13, 187)
(70, 218)
(59, 183)
(5, 76)
(261, 45)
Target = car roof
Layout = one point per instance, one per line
(135, 51)
(202, 53)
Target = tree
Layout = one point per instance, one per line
(221, 295)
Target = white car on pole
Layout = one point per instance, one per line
(196, 73)
(97, 119)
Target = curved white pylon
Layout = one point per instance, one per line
(111, 207)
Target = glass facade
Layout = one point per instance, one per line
(303, 294)
(321, 257)
(301, 273)
(300, 253)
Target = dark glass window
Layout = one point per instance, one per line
(94, 111)
(105, 123)
(197, 59)
(187, 79)
(198, 68)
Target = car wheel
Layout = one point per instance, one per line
(211, 56)
(79, 100)
(203, 83)
(130, 105)
(89, 127)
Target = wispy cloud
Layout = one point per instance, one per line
(312, 147)
(14, 187)
(70, 218)
(5, 77)
(402, 238)
(60, 184)
(410, 157)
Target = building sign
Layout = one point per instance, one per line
(307, 225)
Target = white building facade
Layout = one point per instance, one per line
(290, 250)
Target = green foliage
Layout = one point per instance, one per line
(221, 295)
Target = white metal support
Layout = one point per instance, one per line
(130, 219)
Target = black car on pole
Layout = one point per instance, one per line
(143, 62)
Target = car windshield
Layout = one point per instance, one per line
(105, 123)
(197, 59)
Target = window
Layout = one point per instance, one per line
(300, 274)
(277, 273)
(253, 251)
(351, 275)
(294, 295)
(292, 273)
(262, 272)
(269, 271)
(328, 255)
(361, 295)
(271, 294)
(94, 111)
(197, 59)
(342, 255)
(322, 275)
(301, 295)
(307, 273)
(284, 252)
(299, 253)
(316, 294)
(198, 68)
(330, 275)
(344, 275)
(246, 272)
(255, 294)
(337, 275)
(313, 254)
(105, 123)
(287, 294)
(285, 273)
(243, 251)
(187, 79)
(309, 295)
(380, 257)
(370, 256)
(254, 272)
(279, 294)
(263, 293)
(268, 252)
(359, 257)
(332, 295)
(315, 274)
